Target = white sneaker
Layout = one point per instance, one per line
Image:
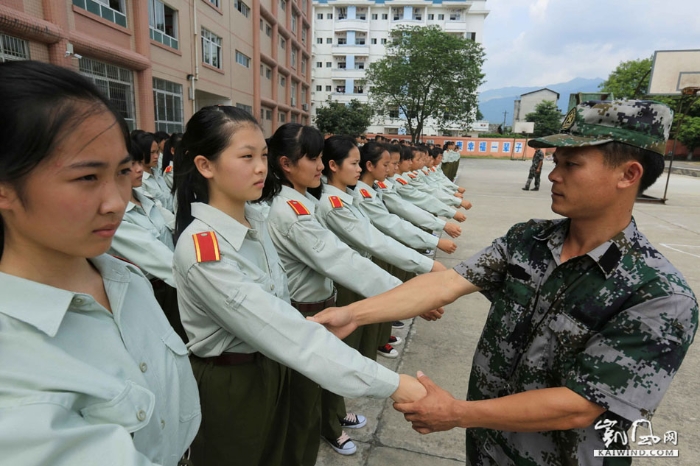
(343, 444)
(395, 341)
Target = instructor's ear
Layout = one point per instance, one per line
(630, 174)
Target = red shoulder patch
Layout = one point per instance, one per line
(365, 194)
(169, 169)
(298, 208)
(412, 176)
(335, 202)
(381, 184)
(402, 181)
(206, 246)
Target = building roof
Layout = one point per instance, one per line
(540, 90)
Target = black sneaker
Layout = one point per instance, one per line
(398, 324)
(526, 189)
(343, 444)
(535, 189)
(353, 421)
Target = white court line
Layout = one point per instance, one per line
(670, 246)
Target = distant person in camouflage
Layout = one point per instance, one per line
(589, 323)
(535, 171)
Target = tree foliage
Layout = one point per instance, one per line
(427, 74)
(338, 118)
(547, 118)
(630, 80)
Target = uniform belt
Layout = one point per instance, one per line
(231, 359)
(315, 307)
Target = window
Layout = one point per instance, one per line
(328, 88)
(282, 117)
(265, 113)
(283, 43)
(162, 22)
(431, 16)
(283, 5)
(167, 100)
(342, 40)
(211, 49)
(303, 66)
(397, 13)
(329, 40)
(383, 40)
(283, 81)
(294, 58)
(268, 72)
(242, 59)
(319, 15)
(319, 40)
(268, 30)
(361, 14)
(385, 15)
(319, 88)
(13, 48)
(294, 23)
(418, 14)
(470, 35)
(293, 93)
(115, 82)
(358, 89)
(340, 89)
(342, 13)
(111, 10)
(375, 16)
(304, 32)
(394, 113)
(328, 64)
(441, 17)
(319, 64)
(329, 15)
(342, 65)
(373, 41)
(242, 7)
(359, 65)
(215, 3)
(359, 41)
(245, 107)
(454, 16)
(294, 117)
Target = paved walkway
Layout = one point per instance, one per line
(444, 349)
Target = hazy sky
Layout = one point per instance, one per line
(539, 42)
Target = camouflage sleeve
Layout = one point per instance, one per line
(628, 366)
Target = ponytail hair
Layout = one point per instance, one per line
(294, 141)
(171, 143)
(371, 152)
(208, 133)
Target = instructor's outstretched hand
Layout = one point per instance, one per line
(436, 412)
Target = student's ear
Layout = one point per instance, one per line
(7, 196)
(630, 174)
(333, 166)
(204, 166)
(285, 164)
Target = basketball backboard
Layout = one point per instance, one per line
(673, 71)
(524, 127)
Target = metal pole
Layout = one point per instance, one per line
(673, 151)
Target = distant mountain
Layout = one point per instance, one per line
(494, 102)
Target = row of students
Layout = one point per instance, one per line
(98, 361)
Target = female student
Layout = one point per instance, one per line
(144, 239)
(168, 154)
(154, 186)
(235, 304)
(91, 371)
(313, 258)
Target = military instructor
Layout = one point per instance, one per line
(588, 324)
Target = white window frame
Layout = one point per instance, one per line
(242, 8)
(242, 59)
(172, 101)
(212, 47)
(156, 24)
(13, 48)
(105, 76)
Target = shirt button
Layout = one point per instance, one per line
(141, 415)
(78, 300)
(143, 366)
(272, 287)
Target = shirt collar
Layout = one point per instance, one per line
(607, 256)
(363, 185)
(344, 196)
(292, 194)
(146, 175)
(227, 227)
(146, 203)
(43, 306)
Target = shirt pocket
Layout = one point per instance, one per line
(132, 408)
(567, 337)
(188, 396)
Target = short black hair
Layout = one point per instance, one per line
(616, 153)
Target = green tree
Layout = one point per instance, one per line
(426, 74)
(339, 118)
(689, 133)
(547, 118)
(630, 80)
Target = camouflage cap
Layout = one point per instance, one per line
(641, 123)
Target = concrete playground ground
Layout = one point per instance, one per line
(444, 349)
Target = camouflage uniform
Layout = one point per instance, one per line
(613, 326)
(535, 170)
